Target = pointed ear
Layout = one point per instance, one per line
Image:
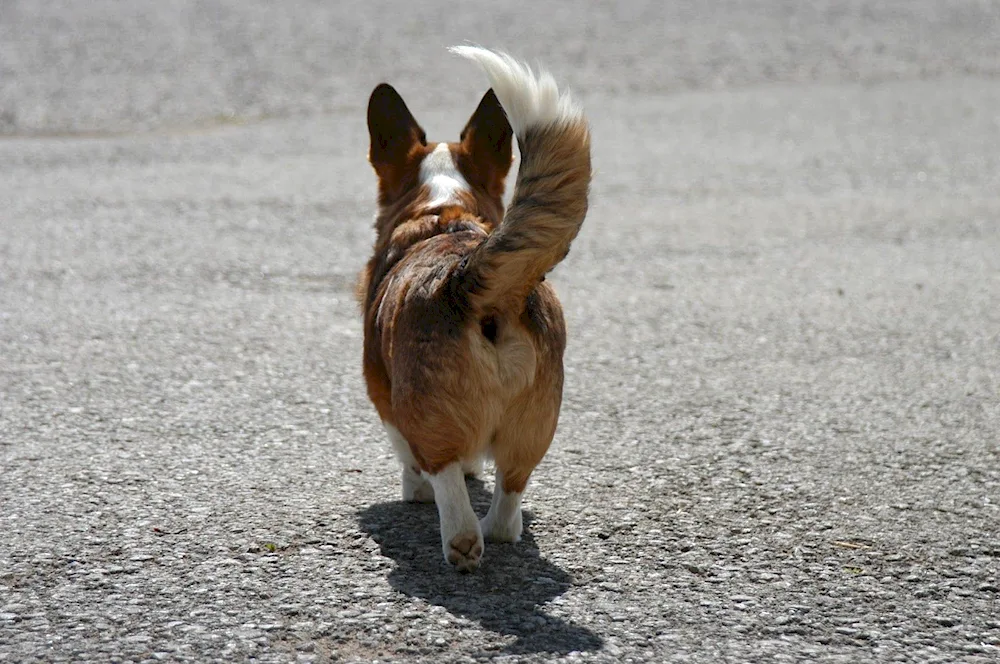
(391, 126)
(487, 140)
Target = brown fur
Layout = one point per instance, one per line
(463, 340)
(550, 202)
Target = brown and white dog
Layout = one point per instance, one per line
(463, 338)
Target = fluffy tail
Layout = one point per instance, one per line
(550, 195)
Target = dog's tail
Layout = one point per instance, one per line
(550, 195)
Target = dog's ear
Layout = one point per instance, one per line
(487, 140)
(392, 128)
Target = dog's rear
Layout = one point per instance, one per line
(463, 339)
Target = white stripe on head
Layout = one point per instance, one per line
(441, 177)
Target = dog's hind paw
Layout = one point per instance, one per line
(465, 551)
(416, 489)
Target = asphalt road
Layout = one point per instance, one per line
(781, 429)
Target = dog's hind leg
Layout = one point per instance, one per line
(416, 489)
(461, 538)
(518, 446)
(503, 522)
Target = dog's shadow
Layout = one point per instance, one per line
(505, 595)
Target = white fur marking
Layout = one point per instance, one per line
(473, 466)
(530, 100)
(415, 487)
(399, 444)
(503, 522)
(441, 177)
(454, 508)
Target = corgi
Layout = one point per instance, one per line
(463, 338)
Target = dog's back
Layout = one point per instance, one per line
(463, 339)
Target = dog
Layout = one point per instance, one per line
(463, 338)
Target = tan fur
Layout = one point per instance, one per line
(463, 340)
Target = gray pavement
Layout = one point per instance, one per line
(781, 429)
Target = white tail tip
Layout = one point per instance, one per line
(530, 100)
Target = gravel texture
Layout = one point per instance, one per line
(781, 430)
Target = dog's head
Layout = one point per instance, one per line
(469, 174)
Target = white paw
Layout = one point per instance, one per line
(416, 489)
(461, 539)
(465, 550)
(508, 529)
(503, 522)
